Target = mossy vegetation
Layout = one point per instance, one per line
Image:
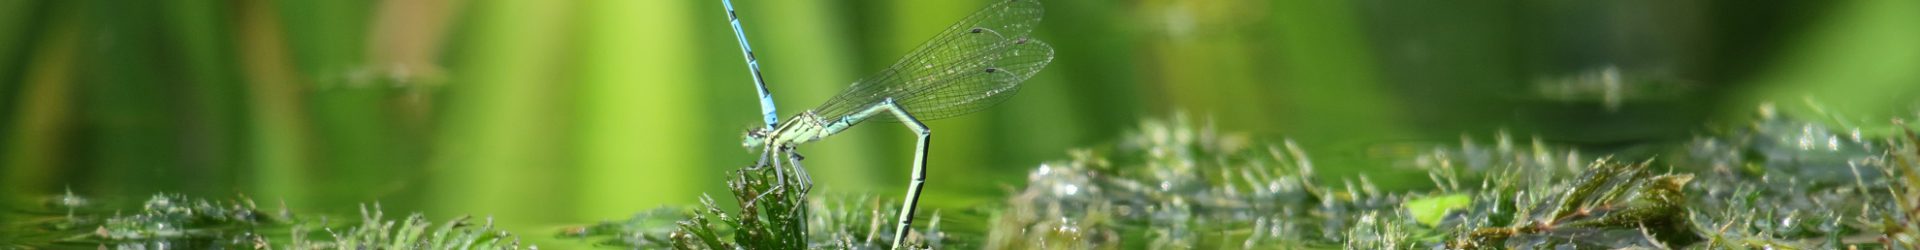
(168, 221)
(1776, 183)
(784, 218)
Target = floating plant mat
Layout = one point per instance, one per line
(168, 221)
(1774, 183)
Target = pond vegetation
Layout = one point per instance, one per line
(1777, 182)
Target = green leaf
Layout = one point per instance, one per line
(1428, 211)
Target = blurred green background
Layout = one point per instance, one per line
(546, 113)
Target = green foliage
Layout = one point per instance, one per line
(1789, 184)
(1175, 184)
(1429, 210)
(175, 221)
(781, 219)
(163, 221)
(1612, 205)
(1775, 183)
(1897, 222)
(415, 232)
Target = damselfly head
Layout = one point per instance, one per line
(755, 138)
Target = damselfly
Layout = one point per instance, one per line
(974, 64)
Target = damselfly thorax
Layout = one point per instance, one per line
(802, 128)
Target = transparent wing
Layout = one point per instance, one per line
(973, 65)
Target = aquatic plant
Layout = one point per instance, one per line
(1777, 183)
(1177, 184)
(415, 232)
(768, 218)
(168, 221)
(163, 221)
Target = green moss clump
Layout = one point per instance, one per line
(1789, 184)
(1178, 184)
(782, 218)
(1612, 205)
(163, 221)
(1775, 183)
(168, 221)
(1172, 184)
(415, 232)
